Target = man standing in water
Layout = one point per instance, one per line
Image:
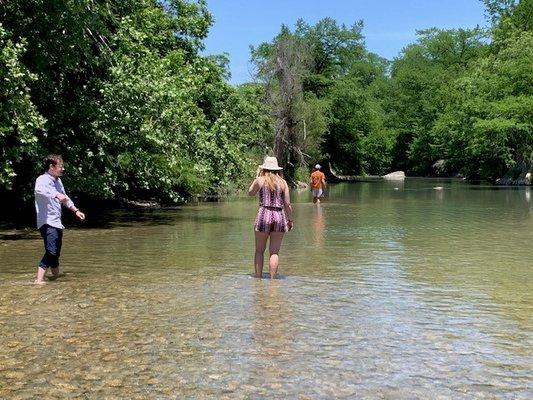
(49, 196)
(318, 183)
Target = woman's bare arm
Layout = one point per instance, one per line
(287, 205)
(254, 187)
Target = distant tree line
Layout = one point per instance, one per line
(121, 89)
(455, 101)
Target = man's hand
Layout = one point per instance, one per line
(80, 215)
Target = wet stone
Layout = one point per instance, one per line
(114, 383)
(153, 381)
(65, 386)
(14, 375)
(90, 377)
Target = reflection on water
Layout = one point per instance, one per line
(318, 226)
(271, 342)
(389, 292)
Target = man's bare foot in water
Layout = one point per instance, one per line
(55, 274)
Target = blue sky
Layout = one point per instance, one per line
(389, 25)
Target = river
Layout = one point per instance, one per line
(388, 290)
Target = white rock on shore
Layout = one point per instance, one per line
(395, 176)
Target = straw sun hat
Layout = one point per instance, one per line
(271, 164)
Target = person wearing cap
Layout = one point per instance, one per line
(318, 183)
(50, 195)
(274, 217)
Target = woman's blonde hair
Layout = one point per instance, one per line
(273, 179)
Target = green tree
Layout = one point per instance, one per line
(129, 100)
(332, 48)
(487, 127)
(20, 122)
(301, 71)
(356, 141)
(419, 88)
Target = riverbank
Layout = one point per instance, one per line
(515, 177)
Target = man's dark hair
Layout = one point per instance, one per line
(52, 159)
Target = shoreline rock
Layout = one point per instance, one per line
(520, 175)
(395, 176)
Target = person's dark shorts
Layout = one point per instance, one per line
(53, 238)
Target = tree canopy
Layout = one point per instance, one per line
(456, 98)
(122, 90)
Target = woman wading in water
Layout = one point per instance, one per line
(274, 217)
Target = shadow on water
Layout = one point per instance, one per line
(495, 187)
(266, 275)
(113, 218)
(25, 234)
(168, 217)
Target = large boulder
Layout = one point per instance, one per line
(395, 176)
(520, 174)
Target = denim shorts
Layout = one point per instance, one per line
(53, 238)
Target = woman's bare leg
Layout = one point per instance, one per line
(260, 246)
(275, 245)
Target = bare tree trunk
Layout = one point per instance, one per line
(284, 93)
(290, 89)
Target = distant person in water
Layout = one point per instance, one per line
(274, 217)
(50, 195)
(318, 183)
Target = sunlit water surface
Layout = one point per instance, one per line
(387, 290)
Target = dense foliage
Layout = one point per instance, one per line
(455, 101)
(121, 89)
(19, 118)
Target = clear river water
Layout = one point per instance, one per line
(388, 290)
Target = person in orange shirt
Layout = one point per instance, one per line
(318, 183)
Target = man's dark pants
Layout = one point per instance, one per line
(53, 238)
